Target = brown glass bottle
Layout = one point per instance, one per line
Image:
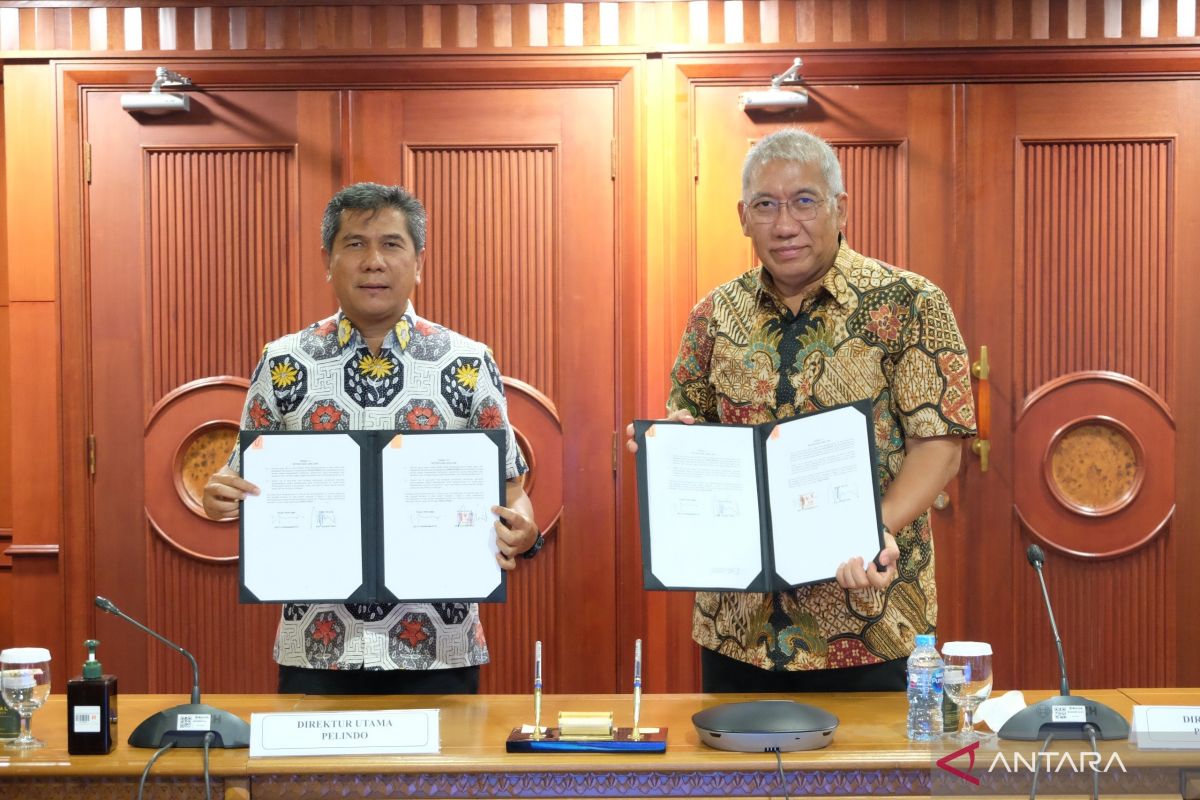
(91, 708)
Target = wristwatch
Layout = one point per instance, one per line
(537, 545)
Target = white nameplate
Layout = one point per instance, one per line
(1165, 727)
(332, 733)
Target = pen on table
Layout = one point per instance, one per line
(537, 689)
(635, 734)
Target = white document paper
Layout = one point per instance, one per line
(757, 508)
(303, 533)
(703, 506)
(821, 485)
(1165, 727)
(438, 526)
(332, 733)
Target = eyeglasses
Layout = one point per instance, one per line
(802, 208)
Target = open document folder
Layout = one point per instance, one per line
(757, 508)
(371, 516)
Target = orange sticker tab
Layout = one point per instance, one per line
(396, 441)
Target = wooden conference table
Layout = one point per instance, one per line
(869, 756)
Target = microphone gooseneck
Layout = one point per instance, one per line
(1036, 559)
(1062, 716)
(104, 604)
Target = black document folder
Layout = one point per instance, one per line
(421, 535)
(709, 521)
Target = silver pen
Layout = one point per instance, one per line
(537, 689)
(637, 689)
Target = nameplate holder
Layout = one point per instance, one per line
(333, 733)
(1165, 728)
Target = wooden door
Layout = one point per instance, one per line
(1081, 291)
(202, 236)
(895, 144)
(203, 243)
(522, 254)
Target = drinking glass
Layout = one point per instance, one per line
(24, 685)
(967, 680)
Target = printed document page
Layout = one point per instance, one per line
(705, 530)
(820, 481)
(438, 526)
(303, 533)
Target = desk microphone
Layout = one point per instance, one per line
(1036, 559)
(183, 725)
(1066, 716)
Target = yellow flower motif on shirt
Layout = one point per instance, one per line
(403, 332)
(283, 375)
(344, 329)
(375, 366)
(468, 375)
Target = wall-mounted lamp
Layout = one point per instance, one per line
(156, 101)
(778, 98)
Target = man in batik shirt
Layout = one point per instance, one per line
(818, 325)
(376, 365)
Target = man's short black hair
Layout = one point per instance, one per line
(373, 197)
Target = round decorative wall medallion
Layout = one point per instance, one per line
(189, 436)
(538, 431)
(200, 455)
(1094, 464)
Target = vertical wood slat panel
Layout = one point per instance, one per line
(201, 203)
(498, 195)
(504, 199)
(231, 642)
(216, 222)
(1129, 625)
(1097, 217)
(873, 179)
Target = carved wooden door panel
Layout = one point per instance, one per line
(519, 183)
(202, 244)
(1081, 290)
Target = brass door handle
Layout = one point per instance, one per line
(982, 445)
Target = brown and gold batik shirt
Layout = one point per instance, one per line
(871, 331)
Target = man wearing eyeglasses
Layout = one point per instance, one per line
(818, 325)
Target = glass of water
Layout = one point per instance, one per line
(24, 685)
(967, 680)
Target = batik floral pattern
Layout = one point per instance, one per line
(423, 376)
(872, 332)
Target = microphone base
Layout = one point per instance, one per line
(1034, 723)
(229, 731)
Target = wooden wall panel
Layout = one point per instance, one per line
(33, 383)
(6, 467)
(877, 219)
(1097, 221)
(6, 580)
(256, 25)
(231, 642)
(219, 270)
(219, 260)
(505, 198)
(1094, 241)
(1101, 608)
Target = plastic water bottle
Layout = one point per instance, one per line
(925, 691)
